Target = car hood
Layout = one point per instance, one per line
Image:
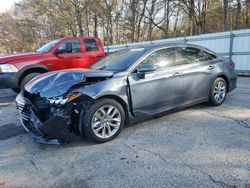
(19, 56)
(57, 83)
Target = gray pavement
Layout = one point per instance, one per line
(200, 146)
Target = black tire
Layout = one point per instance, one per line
(212, 96)
(16, 90)
(87, 115)
(27, 78)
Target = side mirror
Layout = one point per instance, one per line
(146, 68)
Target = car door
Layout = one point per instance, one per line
(158, 90)
(73, 58)
(197, 73)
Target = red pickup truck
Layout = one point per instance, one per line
(71, 52)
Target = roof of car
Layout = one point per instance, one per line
(155, 46)
(151, 47)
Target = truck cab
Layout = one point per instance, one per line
(65, 53)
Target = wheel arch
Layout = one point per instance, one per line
(120, 101)
(31, 69)
(225, 78)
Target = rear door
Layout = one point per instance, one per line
(93, 51)
(161, 89)
(197, 73)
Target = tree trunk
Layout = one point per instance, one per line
(191, 23)
(238, 12)
(176, 21)
(140, 20)
(95, 25)
(167, 8)
(247, 21)
(133, 9)
(225, 14)
(150, 25)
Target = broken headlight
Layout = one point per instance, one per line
(63, 99)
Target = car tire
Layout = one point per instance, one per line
(27, 78)
(218, 92)
(102, 121)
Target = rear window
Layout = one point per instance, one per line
(210, 55)
(188, 55)
(91, 45)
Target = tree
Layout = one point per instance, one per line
(33, 22)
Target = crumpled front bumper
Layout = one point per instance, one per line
(53, 131)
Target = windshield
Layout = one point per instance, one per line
(120, 60)
(48, 46)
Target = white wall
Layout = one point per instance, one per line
(218, 42)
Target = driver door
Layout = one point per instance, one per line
(73, 57)
(158, 90)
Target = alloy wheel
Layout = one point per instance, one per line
(219, 91)
(106, 121)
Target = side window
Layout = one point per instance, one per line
(161, 58)
(188, 55)
(91, 45)
(209, 56)
(70, 46)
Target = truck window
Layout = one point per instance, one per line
(73, 44)
(91, 45)
(48, 46)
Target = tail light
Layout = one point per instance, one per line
(232, 64)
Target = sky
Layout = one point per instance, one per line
(6, 4)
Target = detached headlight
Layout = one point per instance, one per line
(5, 68)
(63, 100)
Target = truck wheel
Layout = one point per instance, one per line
(27, 78)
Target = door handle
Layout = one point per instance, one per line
(210, 67)
(176, 74)
(49, 65)
(78, 57)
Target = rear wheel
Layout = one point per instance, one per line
(27, 78)
(103, 121)
(218, 92)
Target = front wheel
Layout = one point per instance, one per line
(103, 121)
(218, 92)
(27, 78)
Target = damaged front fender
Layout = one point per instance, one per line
(53, 84)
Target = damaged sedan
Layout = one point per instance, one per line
(122, 88)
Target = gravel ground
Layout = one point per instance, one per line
(200, 146)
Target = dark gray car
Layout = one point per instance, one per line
(126, 86)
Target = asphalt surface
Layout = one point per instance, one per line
(200, 146)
